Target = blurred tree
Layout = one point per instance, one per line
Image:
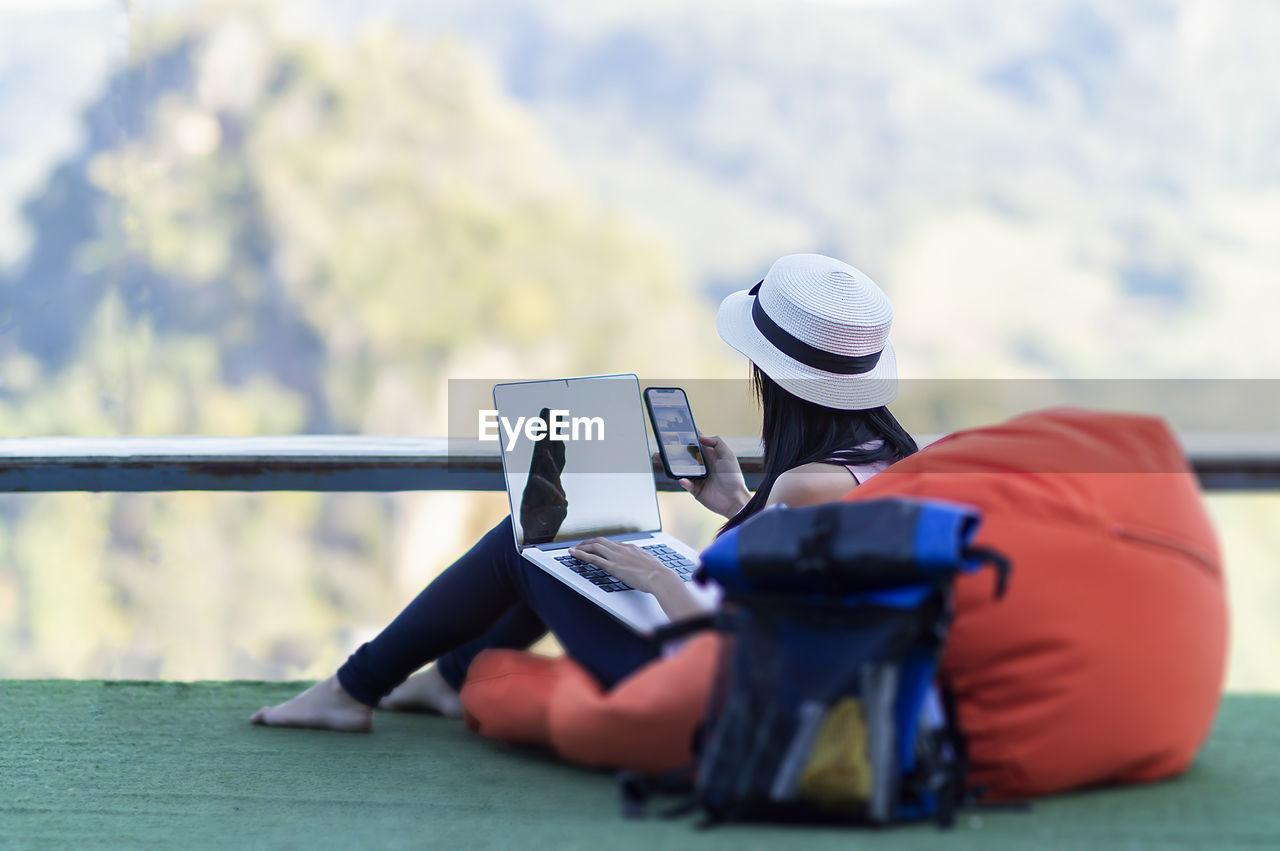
(267, 233)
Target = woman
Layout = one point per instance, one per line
(816, 331)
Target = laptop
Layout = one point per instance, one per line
(575, 455)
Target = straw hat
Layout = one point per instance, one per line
(818, 327)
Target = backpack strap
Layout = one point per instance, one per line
(688, 626)
(999, 561)
(636, 788)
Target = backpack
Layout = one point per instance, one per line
(825, 706)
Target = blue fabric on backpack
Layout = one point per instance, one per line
(920, 538)
(943, 532)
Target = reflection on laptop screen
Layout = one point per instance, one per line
(588, 472)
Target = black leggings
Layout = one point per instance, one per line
(491, 597)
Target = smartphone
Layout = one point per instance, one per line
(677, 436)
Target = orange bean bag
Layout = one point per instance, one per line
(1103, 663)
(646, 723)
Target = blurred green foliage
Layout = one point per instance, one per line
(292, 235)
(277, 225)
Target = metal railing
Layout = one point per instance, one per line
(360, 463)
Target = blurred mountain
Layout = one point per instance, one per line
(348, 221)
(1072, 187)
(50, 65)
(1069, 188)
(308, 215)
(259, 233)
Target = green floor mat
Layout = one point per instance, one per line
(89, 763)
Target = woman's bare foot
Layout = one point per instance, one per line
(324, 706)
(425, 691)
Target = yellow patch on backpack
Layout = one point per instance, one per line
(838, 774)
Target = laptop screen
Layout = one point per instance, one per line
(576, 458)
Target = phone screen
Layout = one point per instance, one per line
(677, 436)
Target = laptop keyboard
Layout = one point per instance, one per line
(672, 559)
(607, 582)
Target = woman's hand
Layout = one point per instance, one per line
(642, 572)
(627, 562)
(725, 490)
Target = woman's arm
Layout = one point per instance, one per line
(643, 572)
(724, 491)
(674, 597)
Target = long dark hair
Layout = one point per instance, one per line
(799, 432)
